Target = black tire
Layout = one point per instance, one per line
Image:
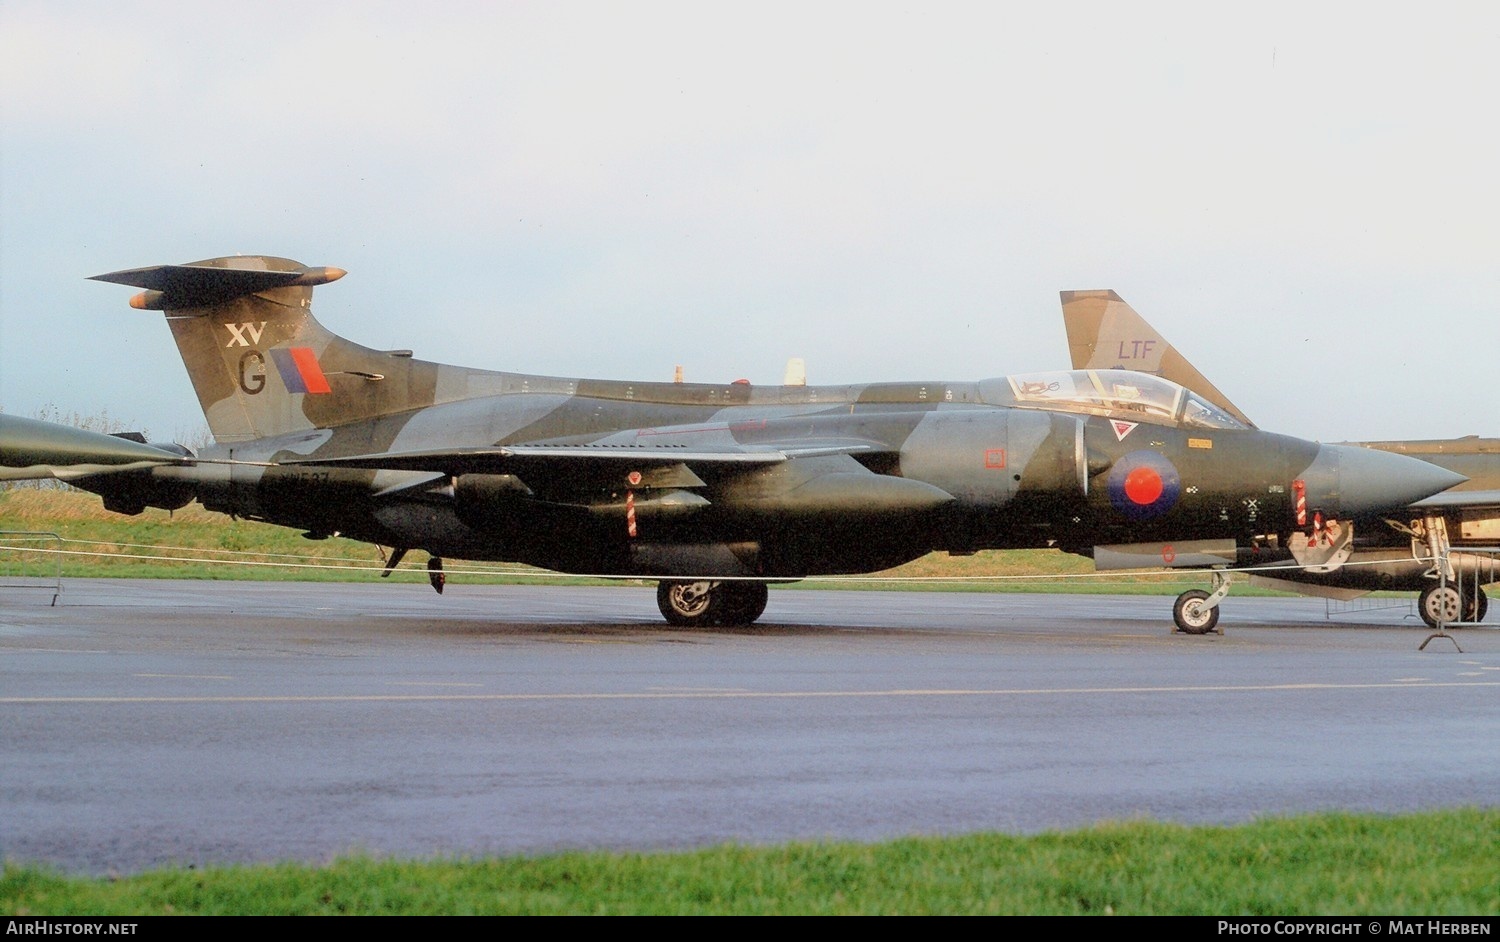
(1442, 603)
(1481, 604)
(1192, 616)
(743, 602)
(689, 604)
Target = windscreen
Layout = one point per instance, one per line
(1119, 394)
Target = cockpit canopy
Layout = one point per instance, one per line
(1118, 394)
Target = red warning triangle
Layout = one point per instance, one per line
(1122, 428)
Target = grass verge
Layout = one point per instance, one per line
(1437, 863)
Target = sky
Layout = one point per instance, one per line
(1302, 197)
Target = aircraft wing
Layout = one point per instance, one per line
(31, 449)
(561, 470)
(554, 467)
(1459, 498)
(72, 472)
(509, 459)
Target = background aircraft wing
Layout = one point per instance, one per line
(1461, 498)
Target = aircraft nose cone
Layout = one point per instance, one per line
(1350, 481)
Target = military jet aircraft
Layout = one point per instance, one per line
(1405, 550)
(714, 490)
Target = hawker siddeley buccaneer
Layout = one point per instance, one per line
(714, 490)
(1420, 547)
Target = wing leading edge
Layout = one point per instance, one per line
(510, 458)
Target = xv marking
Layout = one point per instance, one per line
(238, 332)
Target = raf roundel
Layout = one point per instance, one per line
(1144, 485)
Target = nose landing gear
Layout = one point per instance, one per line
(1197, 612)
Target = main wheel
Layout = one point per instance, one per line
(689, 604)
(1192, 616)
(1442, 604)
(743, 602)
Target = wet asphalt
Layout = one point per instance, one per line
(146, 723)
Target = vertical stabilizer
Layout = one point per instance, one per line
(261, 364)
(1105, 333)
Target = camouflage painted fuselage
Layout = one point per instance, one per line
(957, 476)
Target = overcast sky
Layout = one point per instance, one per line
(1302, 197)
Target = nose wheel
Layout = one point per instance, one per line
(1193, 614)
(1197, 612)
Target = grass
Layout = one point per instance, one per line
(1437, 863)
(207, 545)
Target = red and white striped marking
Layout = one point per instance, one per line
(1299, 488)
(630, 514)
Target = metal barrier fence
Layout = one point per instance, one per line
(31, 560)
(1406, 605)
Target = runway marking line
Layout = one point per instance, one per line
(740, 695)
(188, 676)
(690, 690)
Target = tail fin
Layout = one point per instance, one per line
(260, 362)
(1105, 333)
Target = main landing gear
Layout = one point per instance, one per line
(1456, 595)
(711, 604)
(1197, 612)
(435, 576)
(1440, 603)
